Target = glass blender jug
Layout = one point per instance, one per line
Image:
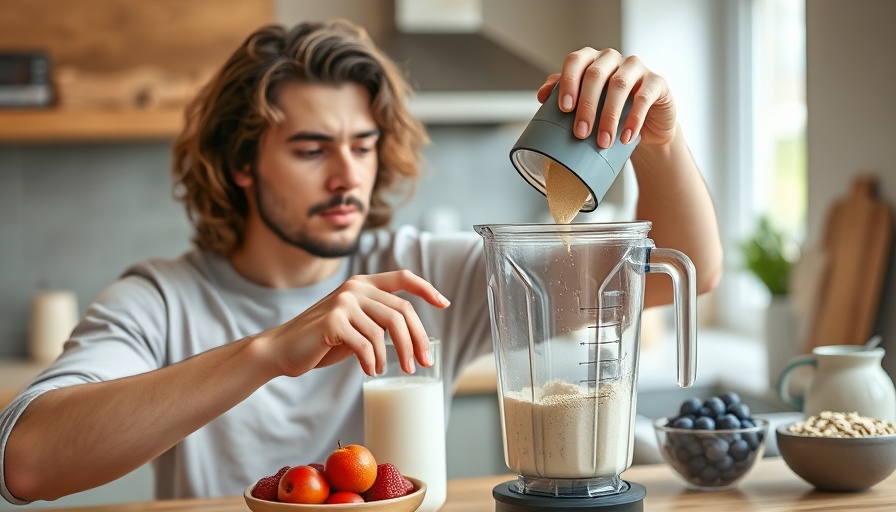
(565, 303)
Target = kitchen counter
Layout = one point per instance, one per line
(15, 374)
(770, 487)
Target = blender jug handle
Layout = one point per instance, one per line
(680, 268)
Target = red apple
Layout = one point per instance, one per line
(303, 484)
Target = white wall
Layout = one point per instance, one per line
(851, 86)
(677, 40)
(546, 31)
(376, 16)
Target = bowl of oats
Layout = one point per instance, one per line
(839, 451)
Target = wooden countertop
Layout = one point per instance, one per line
(479, 378)
(770, 487)
(15, 374)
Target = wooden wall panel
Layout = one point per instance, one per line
(113, 35)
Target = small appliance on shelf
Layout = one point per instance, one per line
(25, 79)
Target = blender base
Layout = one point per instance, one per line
(509, 500)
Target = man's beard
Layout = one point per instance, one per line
(274, 212)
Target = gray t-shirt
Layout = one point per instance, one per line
(161, 312)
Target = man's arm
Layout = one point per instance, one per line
(76, 438)
(83, 436)
(672, 195)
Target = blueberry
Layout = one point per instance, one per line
(681, 454)
(752, 440)
(725, 464)
(716, 449)
(709, 475)
(683, 422)
(705, 412)
(730, 475)
(696, 465)
(739, 450)
(704, 423)
(727, 422)
(693, 446)
(730, 398)
(747, 423)
(741, 410)
(691, 406)
(731, 437)
(715, 405)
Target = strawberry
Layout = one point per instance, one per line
(408, 486)
(266, 488)
(388, 484)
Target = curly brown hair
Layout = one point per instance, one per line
(225, 121)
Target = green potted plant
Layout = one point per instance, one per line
(766, 257)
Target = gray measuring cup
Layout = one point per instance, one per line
(548, 136)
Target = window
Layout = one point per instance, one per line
(779, 135)
(774, 135)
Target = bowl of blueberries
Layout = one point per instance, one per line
(712, 443)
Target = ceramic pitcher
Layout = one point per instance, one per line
(847, 378)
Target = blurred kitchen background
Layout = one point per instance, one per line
(785, 104)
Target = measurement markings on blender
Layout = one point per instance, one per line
(605, 339)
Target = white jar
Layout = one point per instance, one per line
(847, 378)
(53, 316)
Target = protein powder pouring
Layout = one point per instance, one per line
(574, 174)
(565, 192)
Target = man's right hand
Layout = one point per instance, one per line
(353, 319)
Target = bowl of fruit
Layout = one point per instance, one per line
(350, 479)
(712, 443)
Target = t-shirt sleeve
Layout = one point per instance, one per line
(122, 333)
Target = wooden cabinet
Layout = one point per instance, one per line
(59, 125)
(99, 38)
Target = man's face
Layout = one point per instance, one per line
(316, 170)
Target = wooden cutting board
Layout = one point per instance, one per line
(857, 241)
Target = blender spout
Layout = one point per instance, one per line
(680, 268)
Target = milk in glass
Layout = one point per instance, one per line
(404, 423)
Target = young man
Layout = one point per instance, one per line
(243, 355)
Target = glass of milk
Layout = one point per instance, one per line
(404, 422)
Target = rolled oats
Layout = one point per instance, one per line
(838, 424)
